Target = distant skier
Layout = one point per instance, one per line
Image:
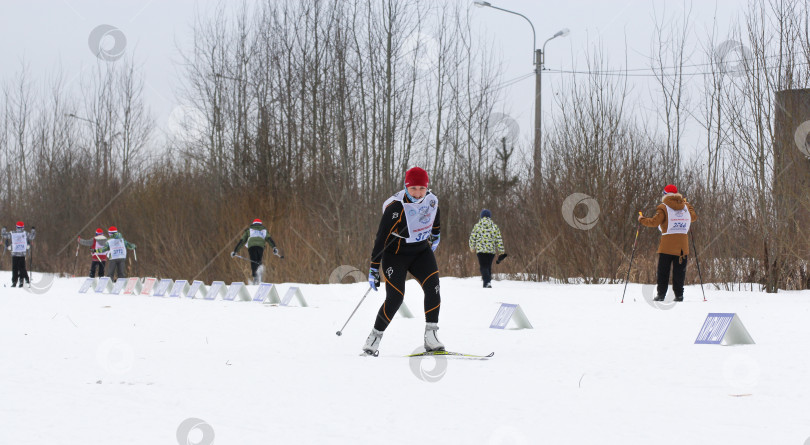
(485, 241)
(19, 242)
(254, 239)
(98, 259)
(673, 218)
(116, 250)
(407, 236)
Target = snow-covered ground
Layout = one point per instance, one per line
(105, 369)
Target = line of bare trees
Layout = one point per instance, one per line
(306, 114)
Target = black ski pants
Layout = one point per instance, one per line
(678, 266)
(485, 266)
(118, 266)
(18, 270)
(255, 253)
(394, 269)
(97, 265)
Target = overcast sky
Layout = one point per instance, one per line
(50, 34)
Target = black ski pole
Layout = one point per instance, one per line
(697, 260)
(631, 259)
(340, 332)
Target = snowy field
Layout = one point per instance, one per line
(105, 369)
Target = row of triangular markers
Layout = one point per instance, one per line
(718, 328)
(265, 292)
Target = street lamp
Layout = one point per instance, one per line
(538, 61)
(540, 65)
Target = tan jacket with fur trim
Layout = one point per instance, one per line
(675, 244)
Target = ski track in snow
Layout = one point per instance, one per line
(107, 369)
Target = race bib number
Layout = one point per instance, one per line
(420, 218)
(678, 221)
(19, 242)
(262, 234)
(117, 249)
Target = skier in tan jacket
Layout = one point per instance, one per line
(673, 218)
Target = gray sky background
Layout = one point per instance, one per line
(50, 35)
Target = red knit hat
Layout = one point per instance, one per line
(416, 177)
(112, 229)
(20, 224)
(99, 231)
(257, 221)
(670, 189)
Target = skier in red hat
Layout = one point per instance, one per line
(254, 239)
(116, 250)
(407, 236)
(672, 217)
(20, 243)
(98, 259)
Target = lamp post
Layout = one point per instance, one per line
(538, 62)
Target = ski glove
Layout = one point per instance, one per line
(500, 258)
(374, 278)
(233, 254)
(277, 253)
(435, 241)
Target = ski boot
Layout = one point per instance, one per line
(432, 342)
(373, 343)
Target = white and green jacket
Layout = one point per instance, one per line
(486, 237)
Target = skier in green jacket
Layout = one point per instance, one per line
(116, 250)
(254, 239)
(485, 241)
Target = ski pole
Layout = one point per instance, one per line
(340, 332)
(631, 259)
(247, 259)
(697, 259)
(31, 260)
(76, 261)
